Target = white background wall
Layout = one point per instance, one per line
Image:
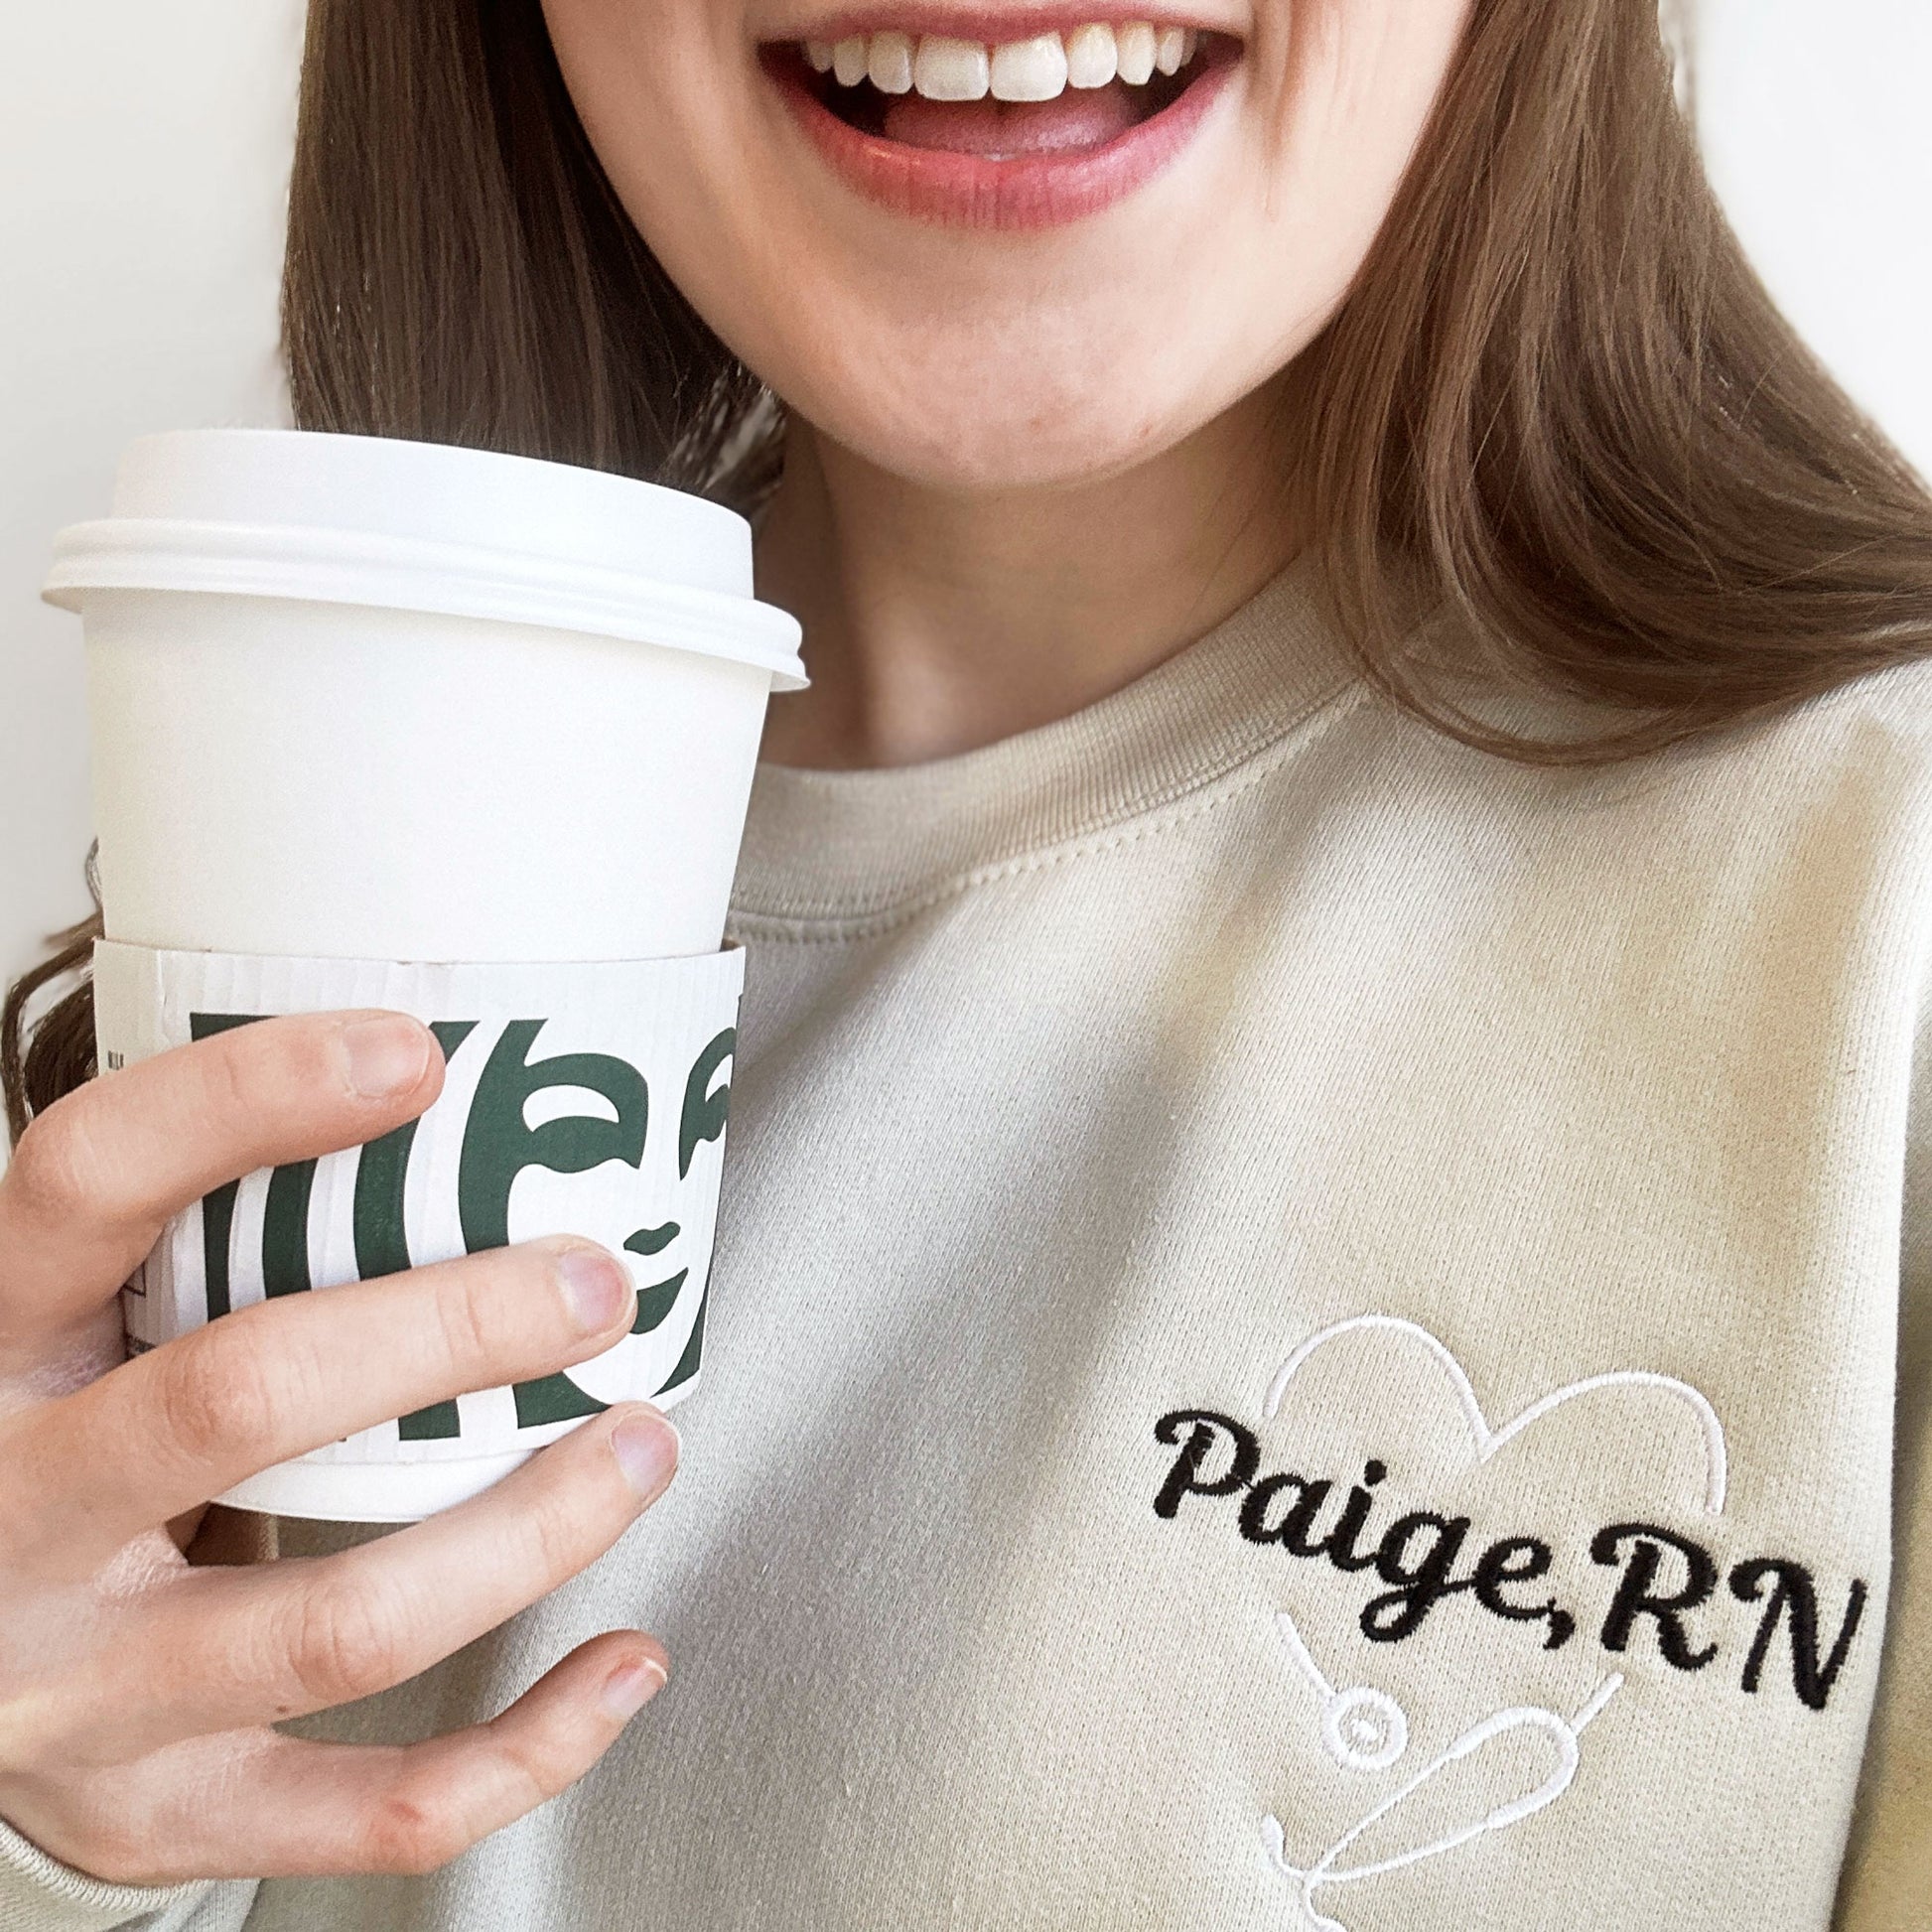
(143, 169)
(143, 186)
(1815, 117)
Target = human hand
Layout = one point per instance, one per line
(138, 1688)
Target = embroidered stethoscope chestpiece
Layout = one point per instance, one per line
(1364, 1730)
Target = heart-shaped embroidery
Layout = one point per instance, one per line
(1489, 1441)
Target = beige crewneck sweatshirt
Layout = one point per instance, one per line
(1305, 1334)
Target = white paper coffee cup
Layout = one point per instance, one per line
(389, 723)
(352, 696)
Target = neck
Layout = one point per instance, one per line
(937, 621)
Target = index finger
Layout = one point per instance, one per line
(98, 1175)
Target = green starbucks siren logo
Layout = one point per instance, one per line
(497, 1147)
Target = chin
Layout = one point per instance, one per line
(1013, 453)
(974, 430)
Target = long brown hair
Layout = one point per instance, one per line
(1557, 395)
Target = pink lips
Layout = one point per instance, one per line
(1059, 177)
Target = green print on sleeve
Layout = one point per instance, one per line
(381, 1239)
(381, 1244)
(556, 1398)
(704, 1112)
(497, 1147)
(218, 1209)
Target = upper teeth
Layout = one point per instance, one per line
(1040, 68)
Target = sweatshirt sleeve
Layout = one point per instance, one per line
(1886, 1882)
(39, 1894)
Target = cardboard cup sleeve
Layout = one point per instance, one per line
(585, 1099)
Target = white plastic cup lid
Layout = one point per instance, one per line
(429, 526)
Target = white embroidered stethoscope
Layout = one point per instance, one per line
(1366, 1729)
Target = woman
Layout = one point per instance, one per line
(1309, 1327)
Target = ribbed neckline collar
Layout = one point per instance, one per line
(852, 846)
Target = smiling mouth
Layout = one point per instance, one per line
(656, 1302)
(1071, 120)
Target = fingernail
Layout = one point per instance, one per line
(648, 1446)
(385, 1056)
(596, 1290)
(630, 1687)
